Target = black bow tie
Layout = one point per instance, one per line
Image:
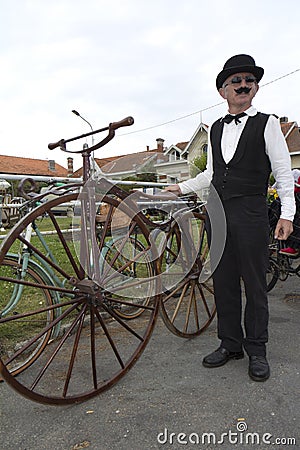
(229, 118)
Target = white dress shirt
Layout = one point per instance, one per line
(276, 149)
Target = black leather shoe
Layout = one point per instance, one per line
(259, 369)
(220, 357)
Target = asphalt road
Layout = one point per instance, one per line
(168, 400)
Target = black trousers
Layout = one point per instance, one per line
(245, 258)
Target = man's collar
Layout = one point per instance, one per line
(251, 111)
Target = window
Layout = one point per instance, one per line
(174, 155)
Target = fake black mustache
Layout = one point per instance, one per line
(242, 90)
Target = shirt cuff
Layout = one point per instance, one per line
(288, 210)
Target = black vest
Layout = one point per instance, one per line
(247, 173)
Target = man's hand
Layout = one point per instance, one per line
(174, 188)
(283, 229)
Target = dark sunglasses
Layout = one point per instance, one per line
(238, 79)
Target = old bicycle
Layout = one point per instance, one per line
(281, 266)
(107, 270)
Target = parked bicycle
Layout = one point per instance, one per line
(281, 266)
(89, 297)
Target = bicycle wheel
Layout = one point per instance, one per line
(95, 346)
(11, 305)
(272, 274)
(188, 303)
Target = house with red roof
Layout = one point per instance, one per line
(17, 165)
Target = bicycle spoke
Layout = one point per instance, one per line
(39, 335)
(191, 302)
(179, 303)
(107, 334)
(122, 323)
(38, 286)
(93, 349)
(45, 258)
(65, 246)
(56, 350)
(74, 351)
(173, 293)
(127, 303)
(129, 284)
(209, 313)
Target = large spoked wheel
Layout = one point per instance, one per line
(188, 303)
(90, 347)
(10, 306)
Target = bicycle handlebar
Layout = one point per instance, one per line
(111, 133)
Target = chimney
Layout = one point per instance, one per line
(160, 144)
(284, 119)
(70, 166)
(51, 165)
(148, 149)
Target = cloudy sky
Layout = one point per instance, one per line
(156, 60)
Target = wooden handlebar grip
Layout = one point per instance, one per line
(56, 144)
(123, 123)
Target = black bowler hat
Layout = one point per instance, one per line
(236, 64)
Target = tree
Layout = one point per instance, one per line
(199, 164)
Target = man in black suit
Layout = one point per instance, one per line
(244, 147)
